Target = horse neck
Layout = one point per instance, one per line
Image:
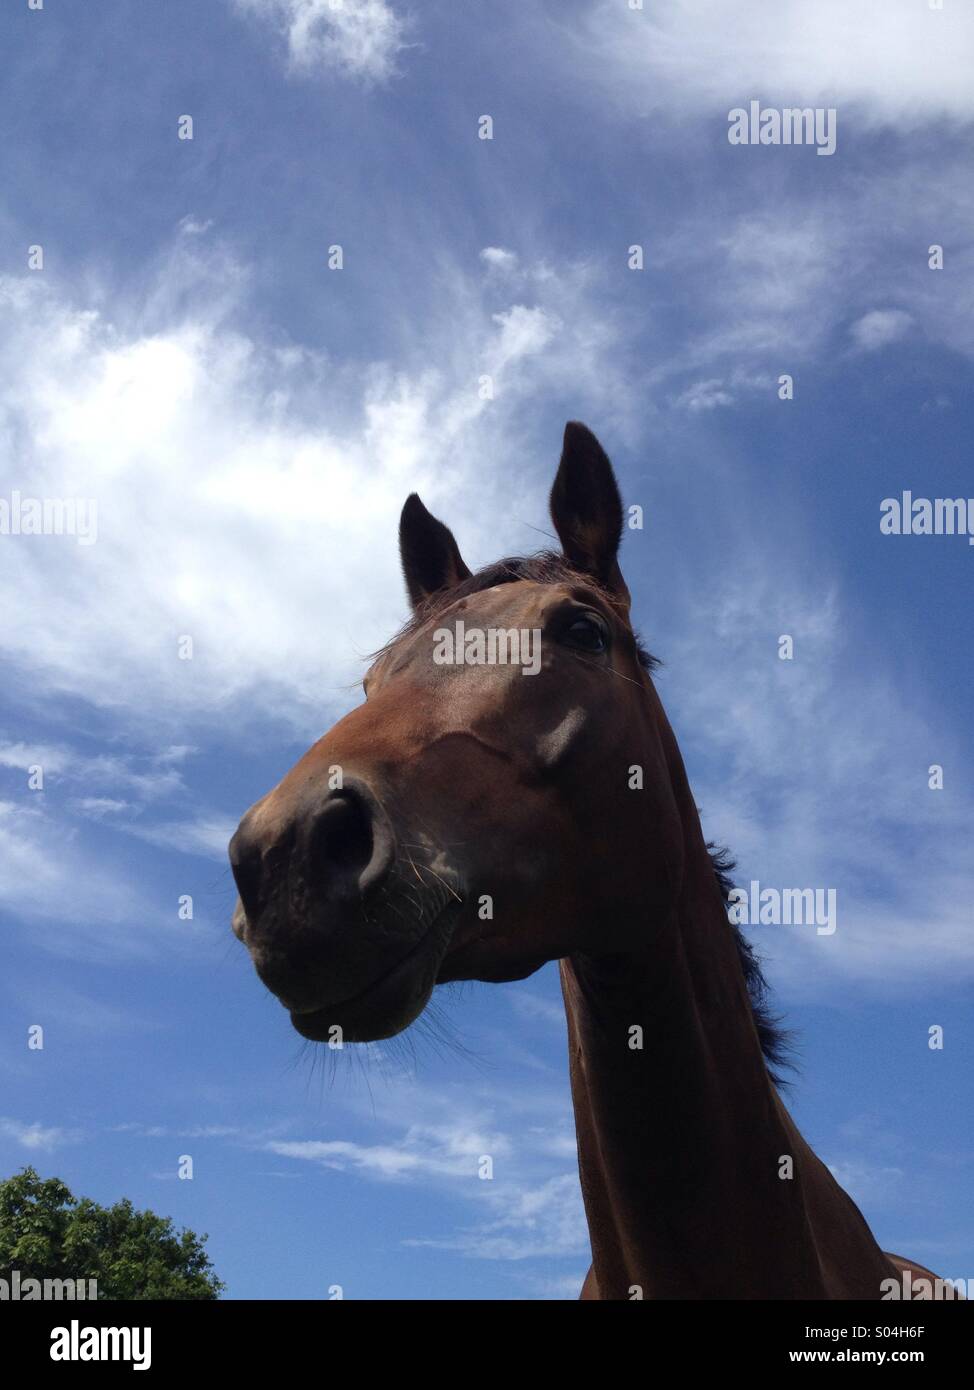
(683, 1140)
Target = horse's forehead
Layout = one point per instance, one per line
(517, 603)
(512, 601)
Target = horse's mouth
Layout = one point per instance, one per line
(455, 945)
(390, 1002)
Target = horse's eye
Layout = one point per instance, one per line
(588, 634)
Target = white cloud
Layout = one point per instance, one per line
(143, 1131)
(524, 331)
(775, 288)
(769, 286)
(192, 226)
(794, 253)
(440, 1151)
(361, 38)
(22, 756)
(895, 62)
(99, 807)
(496, 258)
(880, 327)
(37, 1137)
(248, 495)
(704, 395)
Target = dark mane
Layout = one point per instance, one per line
(776, 1041)
(548, 567)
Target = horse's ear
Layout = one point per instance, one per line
(430, 556)
(587, 509)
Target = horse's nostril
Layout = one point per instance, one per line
(315, 867)
(245, 862)
(341, 844)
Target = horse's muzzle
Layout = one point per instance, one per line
(305, 876)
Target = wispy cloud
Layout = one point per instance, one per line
(896, 62)
(359, 38)
(194, 226)
(92, 906)
(36, 1137)
(880, 327)
(440, 1151)
(704, 395)
(67, 1011)
(249, 494)
(525, 1205)
(499, 259)
(144, 1131)
(788, 741)
(207, 834)
(541, 1221)
(147, 778)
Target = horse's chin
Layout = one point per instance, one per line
(480, 961)
(387, 1005)
(366, 1020)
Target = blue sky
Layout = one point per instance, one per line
(249, 423)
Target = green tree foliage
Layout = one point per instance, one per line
(48, 1233)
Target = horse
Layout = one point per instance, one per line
(510, 793)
